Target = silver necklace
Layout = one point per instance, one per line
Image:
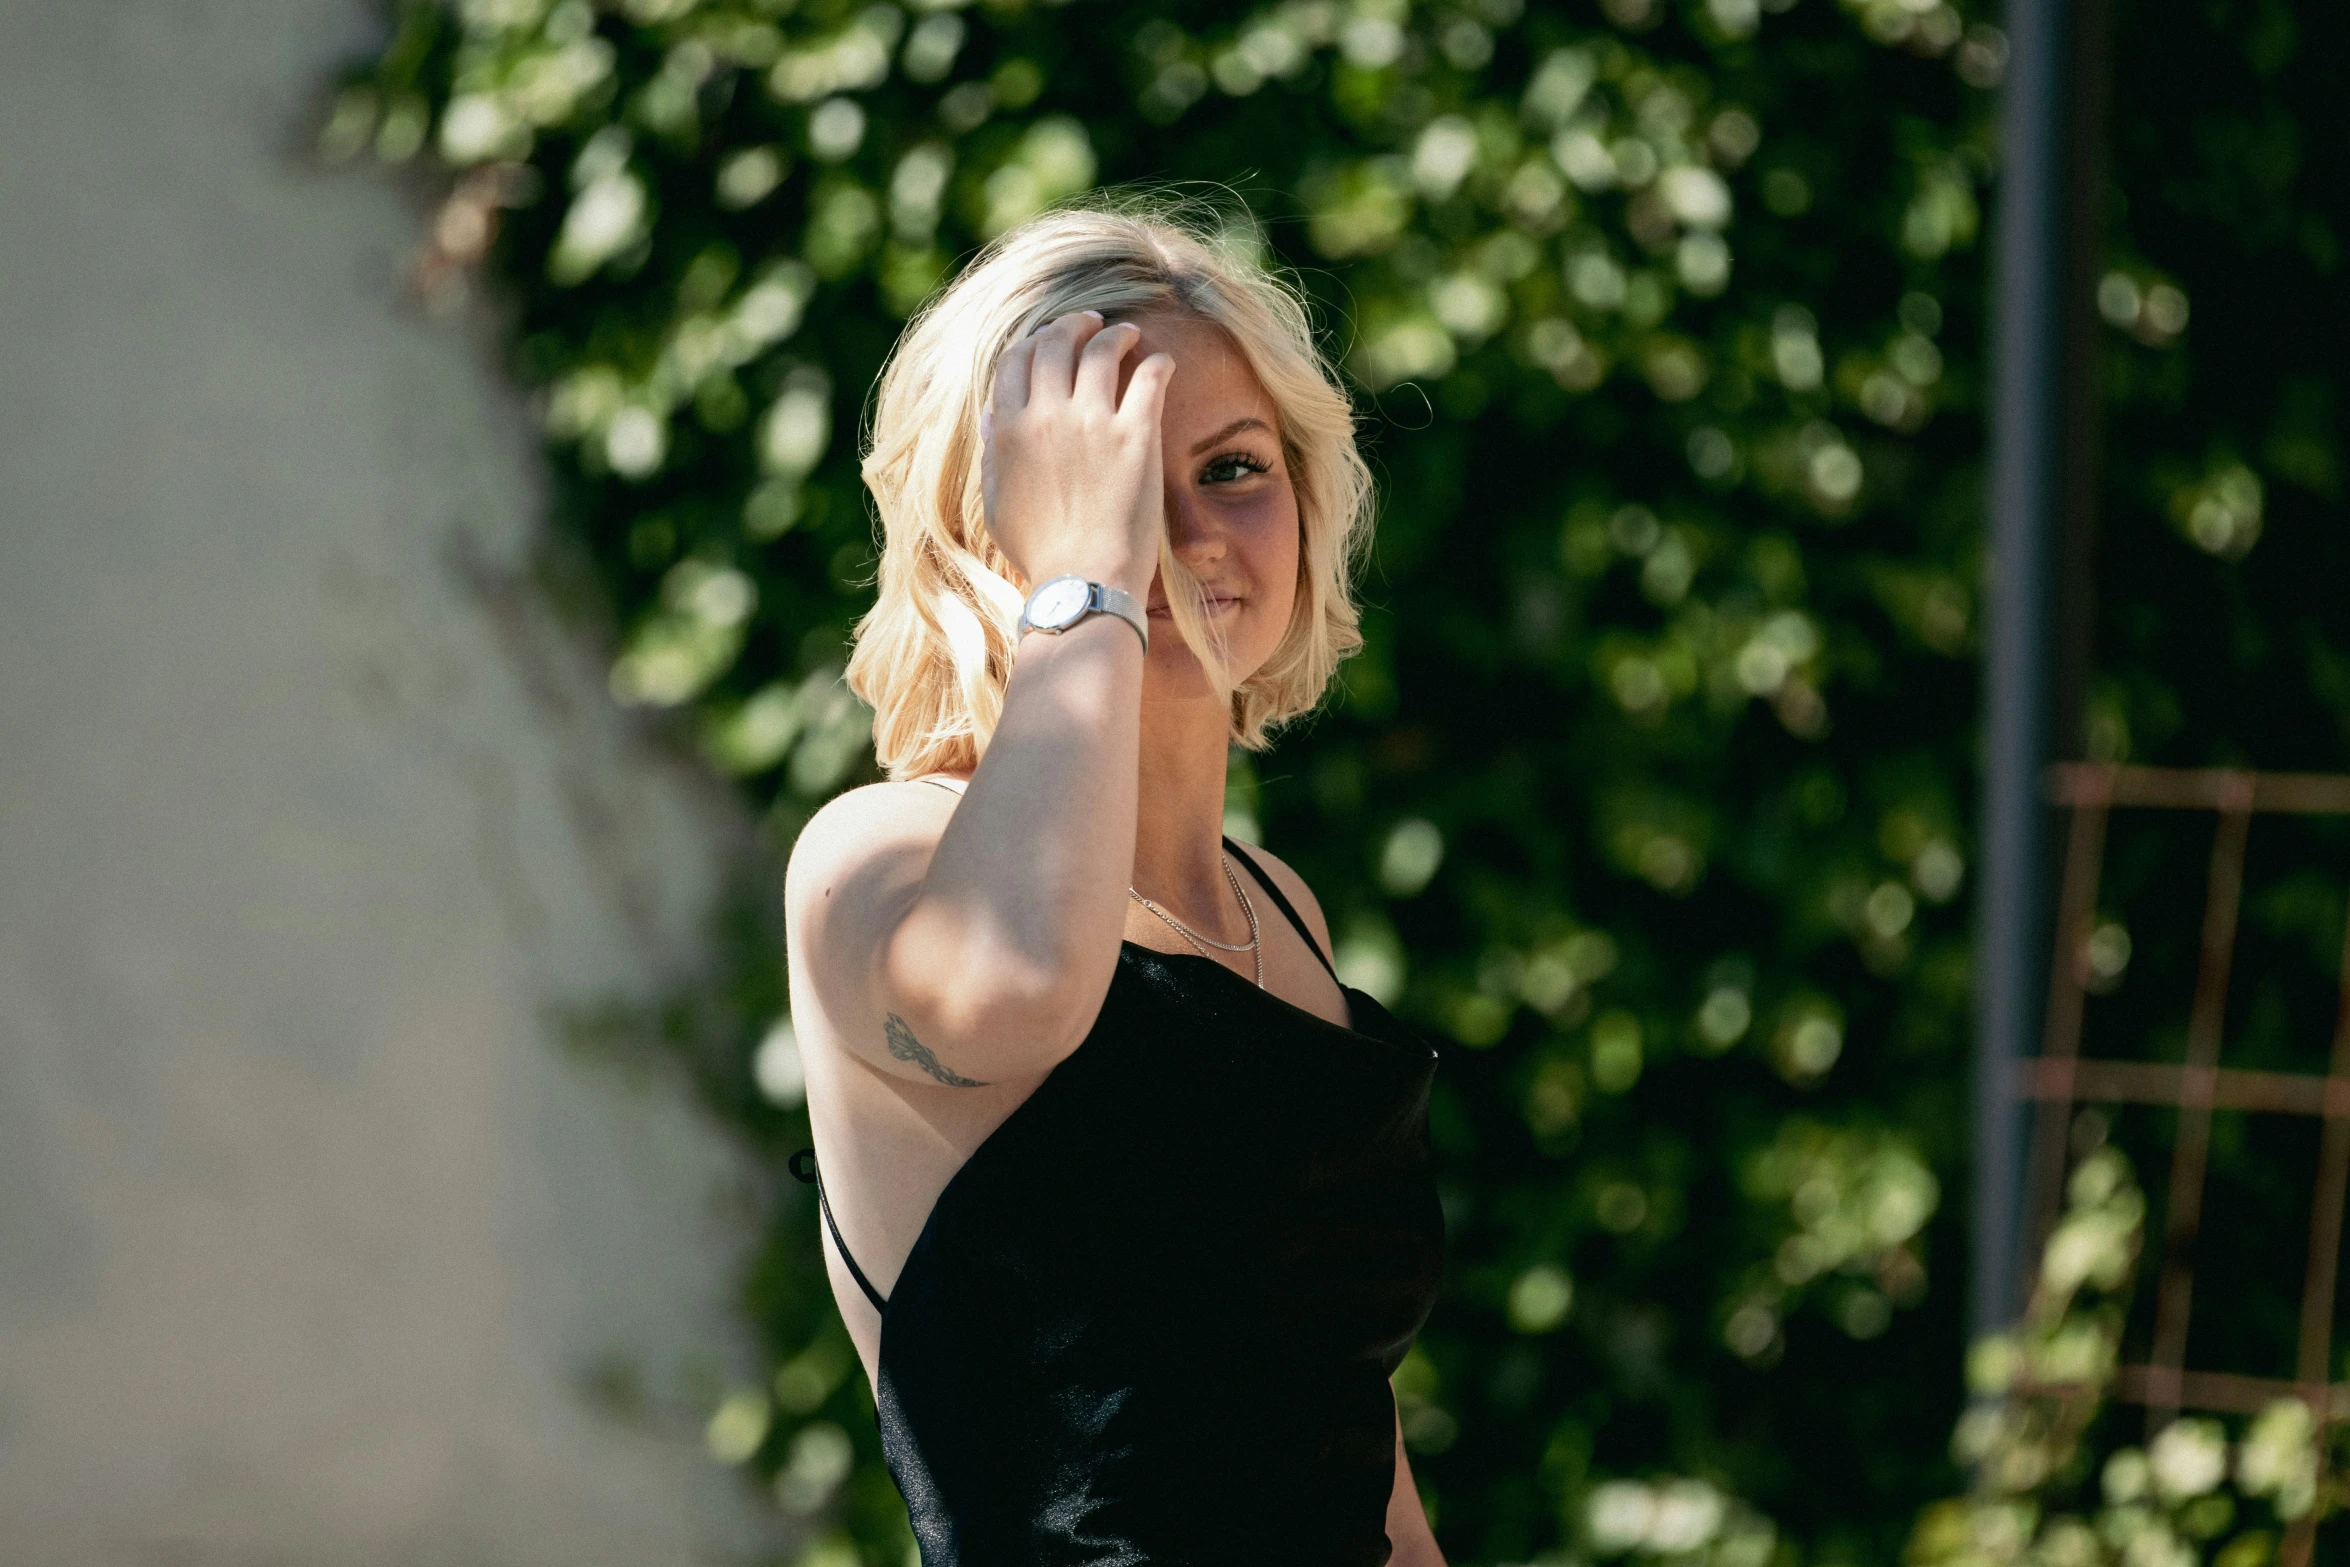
(1202, 943)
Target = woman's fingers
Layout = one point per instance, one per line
(1011, 376)
(1146, 394)
(1097, 366)
(1053, 371)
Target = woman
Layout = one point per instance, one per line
(1127, 1199)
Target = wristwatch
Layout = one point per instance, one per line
(1061, 602)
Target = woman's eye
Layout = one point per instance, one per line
(1230, 466)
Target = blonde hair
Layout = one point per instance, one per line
(934, 652)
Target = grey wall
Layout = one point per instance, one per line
(310, 824)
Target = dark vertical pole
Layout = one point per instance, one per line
(2028, 382)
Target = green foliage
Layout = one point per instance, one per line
(1647, 790)
(2186, 1496)
(2221, 635)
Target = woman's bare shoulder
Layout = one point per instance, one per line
(1294, 888)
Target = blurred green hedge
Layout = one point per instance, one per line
(1649, 790)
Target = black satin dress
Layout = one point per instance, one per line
(1152, 1319)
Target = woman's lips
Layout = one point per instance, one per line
(1217, 603)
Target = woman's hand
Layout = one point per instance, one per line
(1071, 472)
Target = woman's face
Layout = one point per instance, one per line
(1231, 512)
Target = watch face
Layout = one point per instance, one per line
(1057, 603)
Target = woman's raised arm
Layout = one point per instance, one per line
(969, 944)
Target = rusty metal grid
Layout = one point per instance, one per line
(2058, 1079)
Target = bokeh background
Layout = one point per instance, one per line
(433, 532)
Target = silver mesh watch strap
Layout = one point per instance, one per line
(1107, 600)
(1100, 599)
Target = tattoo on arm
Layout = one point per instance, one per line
(906, 1047)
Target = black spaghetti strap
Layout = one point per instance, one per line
(1257, 872)
(815, 1178)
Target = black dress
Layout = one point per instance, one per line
(1151, 1320)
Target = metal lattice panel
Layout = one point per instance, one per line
(2060, 1078)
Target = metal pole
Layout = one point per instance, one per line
(2028, 364)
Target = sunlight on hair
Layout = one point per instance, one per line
(934, 653)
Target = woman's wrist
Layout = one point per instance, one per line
(1111, 571)
(1099, 625)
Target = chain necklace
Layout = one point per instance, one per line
(1199, 942)
(1202, 943)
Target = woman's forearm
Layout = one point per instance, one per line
(1010, 940)
(1013, 932)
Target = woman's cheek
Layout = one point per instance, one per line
(1272, 519)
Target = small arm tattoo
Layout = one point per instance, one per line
(906, 1047)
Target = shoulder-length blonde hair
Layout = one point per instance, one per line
(935, 651)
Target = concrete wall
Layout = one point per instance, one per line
(311, 823)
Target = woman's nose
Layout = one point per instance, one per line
(1191, 533)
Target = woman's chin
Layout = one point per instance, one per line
(1172, 673)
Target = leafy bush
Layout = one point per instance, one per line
(2042, 1387)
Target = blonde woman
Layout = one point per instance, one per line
(1126, 1197)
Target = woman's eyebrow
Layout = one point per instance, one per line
(1252, 422)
